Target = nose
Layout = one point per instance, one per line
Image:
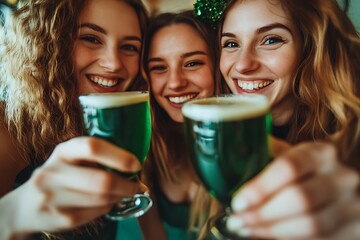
(247, 61)
(111, 59)
(177, 79)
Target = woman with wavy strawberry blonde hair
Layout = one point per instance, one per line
(304, 55)
(54, 51)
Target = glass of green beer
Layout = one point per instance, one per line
(122, 118)
(227, 138)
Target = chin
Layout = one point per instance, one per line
(178, 119)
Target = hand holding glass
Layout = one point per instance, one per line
(228, 143)
(124, 120)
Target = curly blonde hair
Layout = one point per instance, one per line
(326, 85)
(38, 92)
(37, 82)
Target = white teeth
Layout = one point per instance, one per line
(255, 85)
(181, 99)
(103, 82)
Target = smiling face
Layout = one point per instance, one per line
(260, 51)
(107, 49)
(180, 68)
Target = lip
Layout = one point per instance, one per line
(177, 100)
(109, 79)
(252, 85)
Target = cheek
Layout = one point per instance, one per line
(205, 81)
(132, 65)
(225, 63)
(156, 85)
(283, 65)
(79, 59)
(224, 69)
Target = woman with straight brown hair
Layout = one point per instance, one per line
(180, 63)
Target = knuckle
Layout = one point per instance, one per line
(352, 177)
(105, 199)
(128, 162)
(67, 220)
(58, 148)
(291, 167)
(39, 177)
(105, 182)
(302, 196)
(329, 152)
(315, 227)
(91, 146)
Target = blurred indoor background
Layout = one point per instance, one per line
(352, 7)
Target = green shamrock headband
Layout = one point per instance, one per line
(209, 11)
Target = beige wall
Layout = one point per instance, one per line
(177, 5)
(169, 5)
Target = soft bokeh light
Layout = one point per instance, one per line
(11, 1)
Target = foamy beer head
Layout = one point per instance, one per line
(111, 100)
(122, 118)
(226, 108)
(228, 140)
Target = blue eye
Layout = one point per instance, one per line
(273, 40)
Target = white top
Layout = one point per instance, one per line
(226, 108)
(117, 99)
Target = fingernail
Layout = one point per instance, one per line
(239, 204)
(233, 223)
(244, 232)
(135, 166)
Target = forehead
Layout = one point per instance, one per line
(255, 13)
(177, 38)
(112, 14)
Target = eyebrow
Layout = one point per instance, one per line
(272, 26)
(185, 55)
(94, 27)
(263, 29)
(99, 29)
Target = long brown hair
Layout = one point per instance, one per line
(168, 142)
(326, 85)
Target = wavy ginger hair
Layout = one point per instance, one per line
(326, 85)
(41, 107)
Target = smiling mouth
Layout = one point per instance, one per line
(103, 82)
(252, 85)
(182, 99)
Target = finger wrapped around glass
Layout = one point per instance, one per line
(227, 138)
(124, 120)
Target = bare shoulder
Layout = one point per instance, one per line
(11, 160)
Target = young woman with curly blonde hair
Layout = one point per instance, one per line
(53, 52)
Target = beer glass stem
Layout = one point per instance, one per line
(134, 206)
(217, 229)
(129, 207)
